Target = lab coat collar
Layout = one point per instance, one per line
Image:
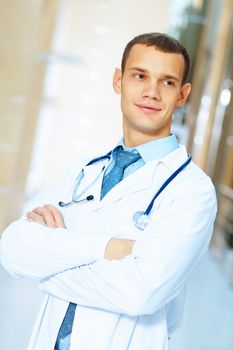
(175, 158)
(139, 180)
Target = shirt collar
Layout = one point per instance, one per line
(155, 149)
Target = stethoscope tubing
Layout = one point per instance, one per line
(98, 159)
(79, 179)
(165, 184)
(139, 214)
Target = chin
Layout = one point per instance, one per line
(148, 129)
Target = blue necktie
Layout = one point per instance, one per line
(122, 160)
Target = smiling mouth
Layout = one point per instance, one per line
(148, 109)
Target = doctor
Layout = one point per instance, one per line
(113, 279)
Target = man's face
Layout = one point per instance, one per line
(151, 88)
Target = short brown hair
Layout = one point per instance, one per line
(162, 42)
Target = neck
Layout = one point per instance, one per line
(134, 139)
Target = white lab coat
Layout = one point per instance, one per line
(132, 304)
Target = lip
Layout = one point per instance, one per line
(148, 109)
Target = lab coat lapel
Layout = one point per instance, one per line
(93, 175)
(137, 181)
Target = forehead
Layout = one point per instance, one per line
(155, 61)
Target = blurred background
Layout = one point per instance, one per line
(57, 106)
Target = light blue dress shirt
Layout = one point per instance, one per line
(148, 151)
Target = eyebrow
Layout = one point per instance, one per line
(168, 76)
(139, 69)
(143, 70)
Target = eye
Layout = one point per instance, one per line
(169, 82)
(139, 76)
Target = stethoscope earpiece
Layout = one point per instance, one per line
(75, 198)
(62, 204)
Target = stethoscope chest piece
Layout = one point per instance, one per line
(141, 220)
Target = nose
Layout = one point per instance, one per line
(151, 90)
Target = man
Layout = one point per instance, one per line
(108, 284)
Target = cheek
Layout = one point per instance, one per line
(127, 98)
(125, 104)
(130, 91)
(170, 100)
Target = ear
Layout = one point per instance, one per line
(183, 95)
(116, 82)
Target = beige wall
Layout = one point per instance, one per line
(25, 30)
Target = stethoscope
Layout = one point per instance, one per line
(141, 219)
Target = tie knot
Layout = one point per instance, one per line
(125, 158)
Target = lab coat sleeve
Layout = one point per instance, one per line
(35, 251)
(158, 267)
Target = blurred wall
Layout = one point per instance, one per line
(206, 29)
(26, 29)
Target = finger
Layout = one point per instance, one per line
(46, 215)
(57, 215)
(35, 218)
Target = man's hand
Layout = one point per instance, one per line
(118, 248)
(47, 215)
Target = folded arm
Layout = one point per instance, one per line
(40, 246)
(50, 216)
(157, 269)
